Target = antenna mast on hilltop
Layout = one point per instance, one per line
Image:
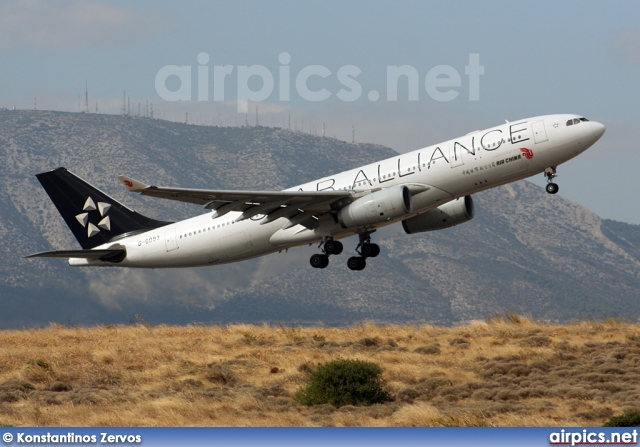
(86, 97)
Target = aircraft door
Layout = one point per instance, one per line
(539, 132)
(170, 240)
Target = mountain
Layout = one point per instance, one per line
(526, 251)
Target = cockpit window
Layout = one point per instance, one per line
(575, 121)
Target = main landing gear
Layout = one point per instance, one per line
(366, 250)
(550, 174)
(329, 247)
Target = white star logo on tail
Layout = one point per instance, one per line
(83, 218)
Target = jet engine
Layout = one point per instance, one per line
(377, 207)
(448, 215)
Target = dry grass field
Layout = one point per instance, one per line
(507, 371)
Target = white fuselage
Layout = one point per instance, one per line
(455, 168)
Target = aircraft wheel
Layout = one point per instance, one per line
(552, 188)
(319, 261)
(356, 263)
(370, 250)
(333, 247)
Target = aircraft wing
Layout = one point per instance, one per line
(301, 205)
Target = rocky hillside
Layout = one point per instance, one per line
(525, 251)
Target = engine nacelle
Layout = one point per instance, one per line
(377, 207)
(448, 215)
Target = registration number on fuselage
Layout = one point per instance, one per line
(149, 240)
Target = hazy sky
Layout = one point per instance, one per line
(536, 58)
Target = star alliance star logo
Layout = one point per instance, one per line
(83, 218)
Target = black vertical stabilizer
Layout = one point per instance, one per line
(92, 216)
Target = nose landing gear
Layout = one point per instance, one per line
(550, 174)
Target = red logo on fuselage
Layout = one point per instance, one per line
(528, 153)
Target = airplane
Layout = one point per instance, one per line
(427, 189)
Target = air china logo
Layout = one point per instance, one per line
(83, 218)
(528, 153)
(128, 183)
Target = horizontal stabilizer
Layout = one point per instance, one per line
(108, 255)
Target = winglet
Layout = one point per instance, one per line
(131, 184)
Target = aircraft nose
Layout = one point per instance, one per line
(597, 129)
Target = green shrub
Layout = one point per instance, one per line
(627, 419)
(344, 382)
